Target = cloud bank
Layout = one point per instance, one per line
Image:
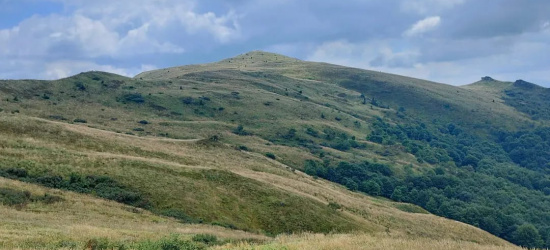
(449, 41)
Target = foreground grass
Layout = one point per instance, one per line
(211, 182)
(364, 241)
(74, 220)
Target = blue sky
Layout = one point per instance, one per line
(449, 41)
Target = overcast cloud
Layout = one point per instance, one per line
(449, 41)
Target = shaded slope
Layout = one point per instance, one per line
(525, 97)
(71, 220)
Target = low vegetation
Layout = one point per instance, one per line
(223, 144)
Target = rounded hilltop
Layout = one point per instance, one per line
(250, 61)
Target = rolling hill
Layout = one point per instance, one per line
(260, 145)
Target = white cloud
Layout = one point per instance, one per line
(423, 7)
(62, 69)
(371, 54)
(423, 26)
(105, 29)
(524, 60)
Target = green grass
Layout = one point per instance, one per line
(193, 141)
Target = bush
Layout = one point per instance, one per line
(12, 197)
(57, 117)
(170, 243)
(98, 244)
(50, 199)
(270, 155)
(17, 172)
(138, 129)
(178, 214)
(240, 131)
(334, 205)
(102, 186)
(207, 239)
(243, 148)
(135, 97)
(80, 86)
(144, 122)
(78, 120)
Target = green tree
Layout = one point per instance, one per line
(371, 187)
(399, 193)
(432, 205)
(527, 235)
(350, 184)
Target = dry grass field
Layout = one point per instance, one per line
(364, 242)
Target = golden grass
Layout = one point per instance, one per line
(365, 241)
(80, 218)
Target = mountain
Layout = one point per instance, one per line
(262, 144)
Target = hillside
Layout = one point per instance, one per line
(268, 144)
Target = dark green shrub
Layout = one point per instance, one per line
(334, 205)
(187, 100)
(50, 199)
(243, 148)
(240, 131)
(102, 186)
(312, 132)
(144, 122)
(207, 239)
(270, 155)
(57, 117)
(50, 181)
(80, 86)
(178, 214)
(98, 244)
(135, 97)
(17, 172)
(12, 197)
(138, 129)
(78, 120)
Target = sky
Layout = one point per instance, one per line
(449, 41)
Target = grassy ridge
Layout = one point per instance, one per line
(244, 190)
(191, 193)
(192, 141)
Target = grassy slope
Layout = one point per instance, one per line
(80, 218)
(322, 83)
(361, 241)
(169, 163)
(528, 98)
(205, 181)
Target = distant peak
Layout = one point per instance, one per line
(487, 78)
(264, 56)
(524, 84)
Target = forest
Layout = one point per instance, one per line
(500, 184)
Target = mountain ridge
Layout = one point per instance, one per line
(233, 139)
